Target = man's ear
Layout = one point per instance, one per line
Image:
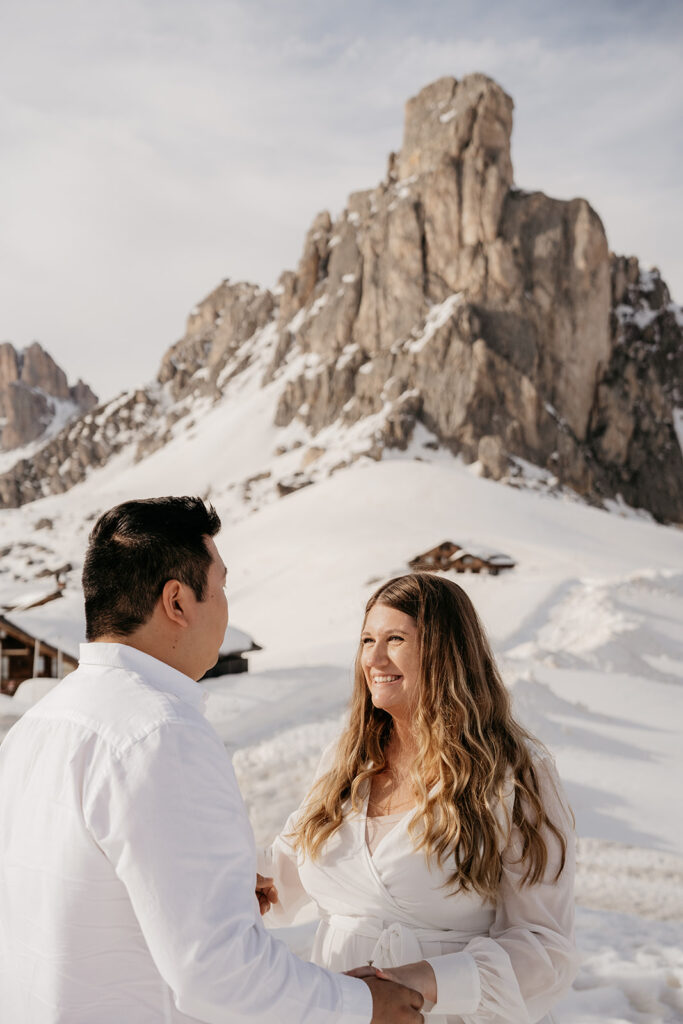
(174, 602)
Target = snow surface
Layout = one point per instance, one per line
(586, 629)
(436, 318)
(642, 317)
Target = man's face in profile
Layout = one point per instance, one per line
(211, 614)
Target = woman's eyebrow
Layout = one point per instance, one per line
(366, 632)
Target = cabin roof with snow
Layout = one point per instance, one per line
(449, 555)
(236, 641)
(23, 655)
(60, 624)
(9, 629)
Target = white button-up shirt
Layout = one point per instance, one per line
(127, 865)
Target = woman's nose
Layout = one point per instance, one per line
(378, 655)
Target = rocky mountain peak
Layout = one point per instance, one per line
(35, 394)
(495, 318)
(39, 370)
(10, 364)
(462, 127)
(447, 296)
(448, 116)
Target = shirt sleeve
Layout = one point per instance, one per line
(169, 817)
(529, 959)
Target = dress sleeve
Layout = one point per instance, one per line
(529, 959)
(280, 861)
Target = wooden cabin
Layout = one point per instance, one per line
(451, 557)
(24, 656)
(436, 558)
(231, 657)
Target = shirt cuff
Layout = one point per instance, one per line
(356, 1000)
(458, 987)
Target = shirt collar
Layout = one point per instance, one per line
(157, 673)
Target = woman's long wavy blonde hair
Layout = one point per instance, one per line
(470, 748)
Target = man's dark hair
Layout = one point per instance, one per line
(133, 550)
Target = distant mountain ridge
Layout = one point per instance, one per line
(445, 296)
(34, 391)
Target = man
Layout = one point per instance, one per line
(127, 863)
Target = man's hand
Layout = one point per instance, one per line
(266, 893)
(393, 1003)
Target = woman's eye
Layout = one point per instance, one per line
(366, 640)
(396, 638)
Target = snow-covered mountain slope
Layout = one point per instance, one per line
(586, 627)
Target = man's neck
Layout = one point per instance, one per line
(163, 650)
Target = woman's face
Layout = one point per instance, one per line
(390, 658)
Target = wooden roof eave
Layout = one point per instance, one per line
(235, 651)
(27, 638)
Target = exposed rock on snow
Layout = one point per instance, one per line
(216, 330)
(82, 445)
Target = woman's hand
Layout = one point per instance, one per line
(266, 893)
(368, 971)
(419, 976)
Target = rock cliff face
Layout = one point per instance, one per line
(493, 315)
(632, 440)
(446, 296)
(33, 392)
(217, 330)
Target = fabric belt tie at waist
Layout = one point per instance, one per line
(395, 943)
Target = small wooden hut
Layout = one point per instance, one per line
(25, 656)
(452, 557)
(231, 657)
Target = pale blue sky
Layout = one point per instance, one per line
(152, 148)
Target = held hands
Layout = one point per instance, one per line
(393, 1003)
(266, 893)
(418, 976)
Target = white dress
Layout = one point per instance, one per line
(505, 962)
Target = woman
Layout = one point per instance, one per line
(437, 836)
